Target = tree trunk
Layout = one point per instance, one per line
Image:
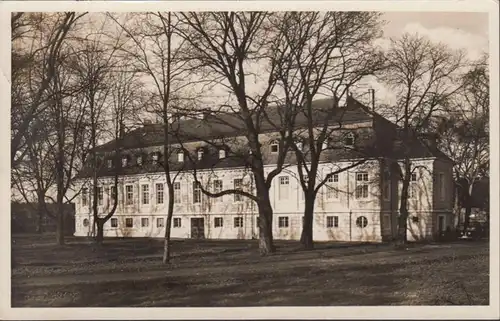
(60, 224)
(468, 211)
(265, 209)
(402, 236)
(170, 212)
(99, 238)
(40, 210)
(306, 237)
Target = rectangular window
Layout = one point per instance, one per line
(100, 196)
(413, 187)
(284, 182)
(238, 222)
(145, 194)
(441, 186)
(159, 193)
(283, 221)
(332, 221)
(129, 222)
(218, 189)
(196, 192)
(177, 222)
(129, 194)
(361, 185)
(177, 192)
(85, 196)
(238, 184)
(114, 222)
(386, 186)
(160, 222)
(144, 222)
(332, 187)
(112, 192)
(218, 222)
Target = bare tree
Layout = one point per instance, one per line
(423, 76)
(329, 53)
(37, 39)
(230, 50)
(464, 134)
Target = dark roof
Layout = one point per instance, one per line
(383, 141)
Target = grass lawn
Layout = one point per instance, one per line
(128, 272)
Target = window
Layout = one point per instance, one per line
(177, 222)
(349, 139)
(413, 187)
(180, 156)
(110, 163)
(441, 186)
(274, 147)
(112, 191)
(415, 219)
(145, 194)
(283, 221)
(144, 222)
(139, 160)
(332, 189)
(156, 157)
(86, 222)
(159, 193)
(129, 194)
(217, 189)
(177, 192)
(160, 222)
(361, 222)
(124, 161)
(332, 221)
(361, 185)
(129, 222)
(100, 196)
(196, 192)
(218, 222)
(386, 186)
(238, 222)
(85, 196)
(387, 221)
(238, 184)
(222, 153)
(200, 153)
(283, 187)
(114, 222)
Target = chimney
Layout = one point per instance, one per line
(371, 92)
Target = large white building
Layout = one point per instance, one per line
(360, 204)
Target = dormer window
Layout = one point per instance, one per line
(180, 156)
(274, 147)
(349, 139)
(156, 157)
(110, 163)
(139, 160)
(222, 153)
(200, 153)
(124, 161)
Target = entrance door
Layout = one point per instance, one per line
(198, 228)
(441, 224)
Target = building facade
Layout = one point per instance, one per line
(360, 204)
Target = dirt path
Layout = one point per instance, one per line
(379, 257)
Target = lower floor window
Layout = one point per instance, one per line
(218, 222)
(177, 222)
(129, 222)
(283, 221)
(361, 222)
(144, 222)
(238, 222)
(114, 222)
(160, 222)
(332, 221)
(86, 222)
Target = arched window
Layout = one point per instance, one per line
(274, 145)
(180, 156)
(349, 139)
(361, 222)
(222, 153)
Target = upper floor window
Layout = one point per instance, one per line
(85, 196)
(441, 186)
(145, 194)
(349, 139)
(332, 187)
(413, 187)
(361, 185)
(177, 192)
(386, 186)
(129, 194)
(180, 156)
(284, 182)
(222, 153)
(217, 189)
(238, 185)
(274, 146)
(159, 193)
(200, 153)
(196, 192)
(100, 195)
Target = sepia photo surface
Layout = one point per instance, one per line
(272, 160)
